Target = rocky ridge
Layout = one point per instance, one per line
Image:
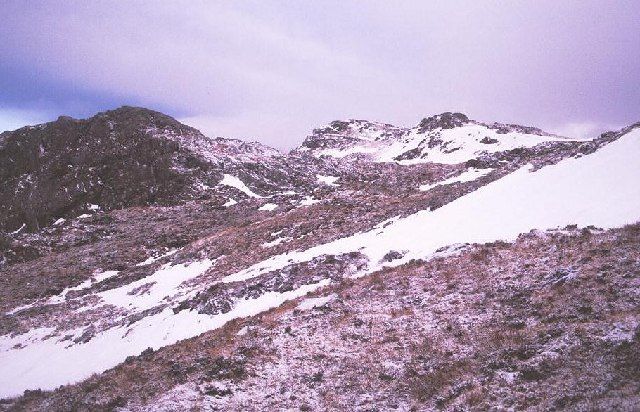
(445, 138)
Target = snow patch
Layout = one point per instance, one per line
(236, 183)
(328, 180)
(230, 202)
(311, 303)
(268, 207)
(152, 290)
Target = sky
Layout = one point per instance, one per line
(272, 71)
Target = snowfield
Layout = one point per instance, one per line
(461, 144)
(48, 362)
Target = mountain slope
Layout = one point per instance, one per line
(537, 324)
(126, 157)
(109, 290)
(572, 191)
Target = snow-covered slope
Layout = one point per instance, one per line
(48, 357)
(447, 138)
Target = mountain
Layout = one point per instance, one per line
(63, 168)
(448, 138)
(453, 265)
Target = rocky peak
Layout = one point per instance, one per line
(64, 118)
(446, 120)
(59, 169)
(128, 157)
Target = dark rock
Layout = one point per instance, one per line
(445, 120)
(488, 140)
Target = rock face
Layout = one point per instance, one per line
(434, 267)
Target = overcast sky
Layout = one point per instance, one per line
(273, 70)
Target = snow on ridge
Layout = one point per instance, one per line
(460, 144)
(232, 181)
(447, 146)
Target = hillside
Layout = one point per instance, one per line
(454, 265)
